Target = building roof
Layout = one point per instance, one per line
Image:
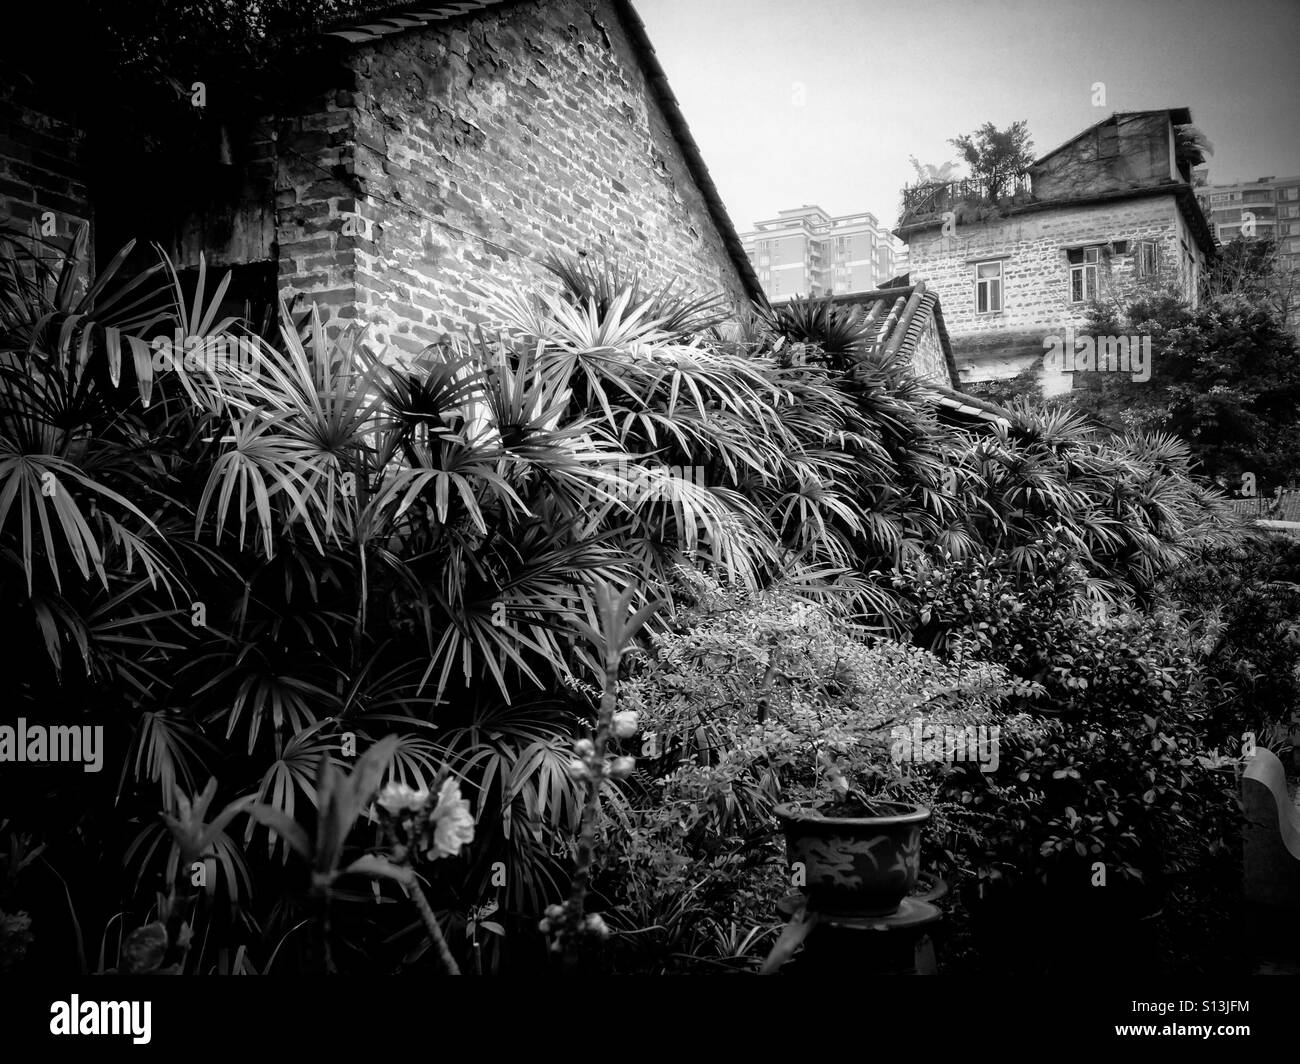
(899, 316)
(371, 22)
(1284, 506)
(1179, 116)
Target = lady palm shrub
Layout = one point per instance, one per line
(1127, 506)
(281, 562)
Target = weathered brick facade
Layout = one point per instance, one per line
(42, 170)
(468, 153)
(1036, 273)
(394, 179)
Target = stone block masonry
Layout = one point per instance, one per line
(1036, 274)
(454, 159)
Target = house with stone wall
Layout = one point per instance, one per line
(1111, 209)
(416, 158)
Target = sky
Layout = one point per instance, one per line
(823, 101)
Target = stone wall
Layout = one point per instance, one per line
(1142, 154)
(1036, 274)
(461, 156)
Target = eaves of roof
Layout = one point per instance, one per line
(383, 19)
(969, 405)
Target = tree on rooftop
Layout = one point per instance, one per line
(996, 156)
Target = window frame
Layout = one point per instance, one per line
(1146, 259)
(1082, 269)
(991, 285)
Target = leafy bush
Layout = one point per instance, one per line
(1124, 784)
(750, 701)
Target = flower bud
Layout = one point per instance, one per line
(625, 724)
(584, 747)
(622, 767)
(578, 770)
(596, 925)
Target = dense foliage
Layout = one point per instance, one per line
(562, 614)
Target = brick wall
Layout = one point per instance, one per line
(477, 149)
(1035, 274)
(42, 168)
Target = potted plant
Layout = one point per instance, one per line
(858, 856)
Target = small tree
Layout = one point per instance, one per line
(1251, 268)
(996, 156)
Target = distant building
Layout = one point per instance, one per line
(805, 251)
(1267, 208)
(1113, 206)
(1271, 203)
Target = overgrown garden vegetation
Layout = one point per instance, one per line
(393, 660)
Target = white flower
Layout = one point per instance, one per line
(453, 825)
(595, 923)
(398, 797)
(584, 747)
(625, 724)
(622, 766)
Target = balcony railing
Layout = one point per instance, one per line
(930, 198)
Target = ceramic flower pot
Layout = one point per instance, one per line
(855, 866)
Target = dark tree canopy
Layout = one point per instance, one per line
(996, 156)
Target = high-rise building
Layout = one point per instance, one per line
(1267, 208)
(805, 251)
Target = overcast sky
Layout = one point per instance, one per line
(822, 101)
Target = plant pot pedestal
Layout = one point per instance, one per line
(899, 944)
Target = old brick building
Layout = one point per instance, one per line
(421, 154)
(1109, 208)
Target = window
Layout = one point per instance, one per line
(1083, 273)
(988, 287)
(1107, 140)
(1289, 211)
(1145, 258)
(1291, 193)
